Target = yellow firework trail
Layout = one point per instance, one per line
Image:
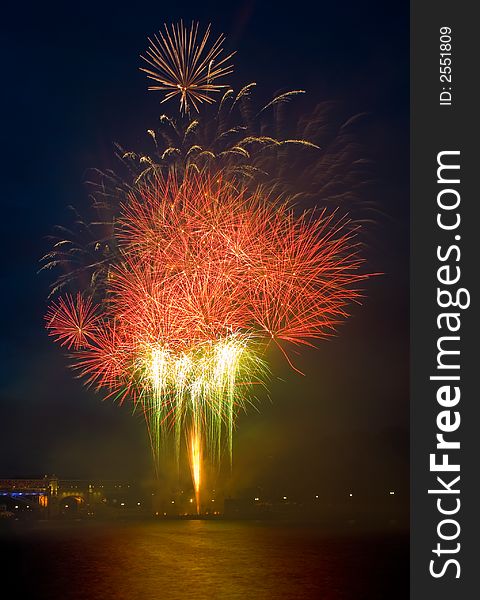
(196, 456)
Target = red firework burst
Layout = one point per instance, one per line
(72, 321)
(202, 259)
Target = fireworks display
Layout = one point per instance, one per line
(200, 275)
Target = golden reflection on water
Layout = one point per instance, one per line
(197, 560)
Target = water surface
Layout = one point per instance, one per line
(204, 560)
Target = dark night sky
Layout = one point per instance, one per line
(71, 86)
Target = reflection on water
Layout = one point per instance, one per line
(175, 560)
